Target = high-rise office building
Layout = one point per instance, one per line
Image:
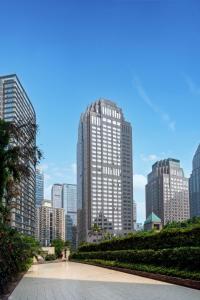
(69, 198)
(104, 171)
(50, 223)
(39, 190)
(16, 107)
(195, 185)
(56, 195)
(167, 192)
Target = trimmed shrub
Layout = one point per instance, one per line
(167, 238)
(182, 258)
(50, 257)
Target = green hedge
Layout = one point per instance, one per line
(183, 258)
(16, 253)
(167, 238)
(172, 271)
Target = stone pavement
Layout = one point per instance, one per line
(74, 281)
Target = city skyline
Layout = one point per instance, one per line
(146, 64)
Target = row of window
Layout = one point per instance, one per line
(111, 112)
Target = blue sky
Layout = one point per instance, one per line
(144, 55)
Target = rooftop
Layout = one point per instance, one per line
(152, 218)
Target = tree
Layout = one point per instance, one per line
(17, 150)
(59, 247)
(67, 244)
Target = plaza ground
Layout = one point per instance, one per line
(75, 281)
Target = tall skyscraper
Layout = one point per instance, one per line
(39, 191)
(167, 192)
(16, 107)
(104, 170)
(69, 196)
(56, 195)
(195, 185)
(50, 223)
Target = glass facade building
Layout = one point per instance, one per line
(104, 171)
(70, 206)
(195, 186)
(16, 107)
(167, 192)
(56, 195)
(39, 191)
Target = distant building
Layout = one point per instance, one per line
(56, 195)
(167, 192)
(195, 185)
(16, 107)
(39, 191)
(50, 223)
(69, 198)
(153, 222)
(104, 171)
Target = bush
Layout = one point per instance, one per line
(16, 253)
(182, 258)
(50, 257)
(59, 247)
(167, 238)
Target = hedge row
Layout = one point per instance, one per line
(175, 272)
(168, 238)
(16, 252)
(182, 258)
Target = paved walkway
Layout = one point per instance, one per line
(74, 281)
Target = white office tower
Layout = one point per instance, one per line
(104, 171)
(167, 192)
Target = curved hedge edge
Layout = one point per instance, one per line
(174, 276)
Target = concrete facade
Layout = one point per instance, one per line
(50, 223)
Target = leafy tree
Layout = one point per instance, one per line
(59, 247)
(68, 244)
(17, 149)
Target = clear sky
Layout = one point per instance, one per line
(144, 55)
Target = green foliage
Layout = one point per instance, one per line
(175, 272)
(50, 257)
(59, 247)
(184, 224)
(183, 258)
(68, 244)
(166, 238)
(16, 253)
(15, 161)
